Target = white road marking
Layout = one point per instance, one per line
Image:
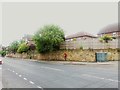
(52, 68)
(25, 78)
(100, 78)
(20, 75)
(113, 80)
(31, 82)
(110, 80)
(39, 87)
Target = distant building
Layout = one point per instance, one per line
(28, 39)
(79, 40)
(111, 30)
(80, 36)
(0, 47)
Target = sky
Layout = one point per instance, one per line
(22, 18)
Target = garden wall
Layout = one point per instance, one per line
(72, 55)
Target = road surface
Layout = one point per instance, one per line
(19, 73)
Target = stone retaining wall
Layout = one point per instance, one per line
(72, 55)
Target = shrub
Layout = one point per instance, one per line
(3, 53)
(81, 47)
(105, 38)
(23, 48)
(13, 47)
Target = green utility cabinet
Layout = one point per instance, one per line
(101, 57)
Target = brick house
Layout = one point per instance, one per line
(28, 39)
(80, 36)
(78, 40)
(111, 30)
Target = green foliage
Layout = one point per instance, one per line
(48, 38)
(81, 47)
(74, 39)
(2, 53)
(23, 48)
(105, 38)
(113, 37)
(14, 46)
(101, 40)
(21, 41)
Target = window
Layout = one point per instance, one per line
(114, 34)
(67, 40)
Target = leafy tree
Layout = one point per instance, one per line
(106, 38)
(48, 38)
(14, 46)
(23, 48)
(21, 41)
(2, 53)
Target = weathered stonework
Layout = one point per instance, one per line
(72, 55)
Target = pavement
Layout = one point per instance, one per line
(19, 73)
(81, 63)
(75, 62)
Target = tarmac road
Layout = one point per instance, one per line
(19, 73)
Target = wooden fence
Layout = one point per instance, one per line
(90, 44)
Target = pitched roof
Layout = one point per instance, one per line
(79, 34)
(28, 37)
(109, 29)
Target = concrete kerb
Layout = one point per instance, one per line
(76, 63)
(73, 62)
(85, 63)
